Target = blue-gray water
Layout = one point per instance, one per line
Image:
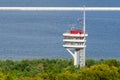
(38, 34)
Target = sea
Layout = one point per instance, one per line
(38, 34)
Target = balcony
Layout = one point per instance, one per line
(74, 35)
(74, 46)
(73, 40)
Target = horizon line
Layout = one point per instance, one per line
(61, 8)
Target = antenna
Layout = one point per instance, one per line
(84, 24)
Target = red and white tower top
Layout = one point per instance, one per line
(74, 39)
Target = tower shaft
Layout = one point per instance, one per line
(82, 57)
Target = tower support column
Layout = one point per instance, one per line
(76, 58)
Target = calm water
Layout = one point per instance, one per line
(38, 34)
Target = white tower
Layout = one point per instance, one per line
(75, 43)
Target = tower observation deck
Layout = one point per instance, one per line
(75, 43)
(74, 39)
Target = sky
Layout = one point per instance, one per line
(59, 3)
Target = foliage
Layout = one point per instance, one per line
(59, 69)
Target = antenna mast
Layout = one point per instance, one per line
(84, 24)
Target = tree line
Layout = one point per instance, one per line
(59, 69)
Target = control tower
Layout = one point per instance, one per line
(75, 43)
